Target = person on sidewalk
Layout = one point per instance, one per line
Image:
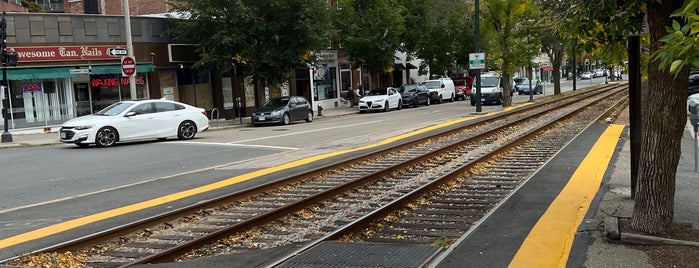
(358, 93)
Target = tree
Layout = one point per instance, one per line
(32, 7)
(370, 32)
(500, 21)
(265, 39)
(553, 41)
(445, 39)
(664, 115)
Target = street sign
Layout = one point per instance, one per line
(79, 71)
(117, 51)
(476, 61)
(128, 66)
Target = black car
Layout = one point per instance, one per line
(414, 95)
(283, 110)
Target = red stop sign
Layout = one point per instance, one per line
(128, 66)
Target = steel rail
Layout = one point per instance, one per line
(401, 202)
(180, 249)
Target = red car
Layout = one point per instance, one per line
(463, 87)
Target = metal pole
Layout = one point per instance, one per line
(634, 52)
(6, 136)
(574, 64)
(129, 47)
(696, 148)
(529, 71)
(477, 46)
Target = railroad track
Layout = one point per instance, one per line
(333, 201)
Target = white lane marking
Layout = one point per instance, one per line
(236, 145)
(304, 132)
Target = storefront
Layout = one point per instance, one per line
(325, 89)
(80, 80)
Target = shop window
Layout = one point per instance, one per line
(325, 83)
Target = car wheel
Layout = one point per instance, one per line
(309, 117)
(187, 130)
(400, 104)
(285, 119)
(106, 136)
(385, 107)
(452, 98)
(428, 101)
(440, 99)
(413, 103)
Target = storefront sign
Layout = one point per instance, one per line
(63, 53)
(114, 80)
(31, 87)
(327, 56)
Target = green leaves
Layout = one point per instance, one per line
(264, 38)
(681, 43)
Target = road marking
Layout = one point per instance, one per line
(307, 131)
(231, 144)
(79, 222)
(548, 243)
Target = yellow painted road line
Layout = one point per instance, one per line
(71, 224)
(548, 243)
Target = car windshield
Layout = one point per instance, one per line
(276, 102)
(433, 84)
(407, 88)
(377, 92)
(115, 108)
(459, 83)
(489, 81)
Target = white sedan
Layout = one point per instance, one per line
(380, 99)
(135, 120)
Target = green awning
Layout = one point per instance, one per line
(64, 72)
(39, 73)
(116, 69)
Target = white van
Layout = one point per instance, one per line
(491, 89)
(440, 89)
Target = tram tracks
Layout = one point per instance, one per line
(319, 203)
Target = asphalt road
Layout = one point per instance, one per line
(47, 185)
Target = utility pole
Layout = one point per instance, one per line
(477, 46)
(6, 136)
(129, 48)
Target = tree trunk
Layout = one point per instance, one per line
(505, 75)
(664, 120)
(556, 61)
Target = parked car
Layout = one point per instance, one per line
(283, 110)
(135, 120)
(491, 89)
(586, 75)
(414, 95)
(523, 88)
(462, 85)
(598, 73)
(516, 82)
(441, 89)
(381, 99)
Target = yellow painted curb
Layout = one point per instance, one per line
(549, 242)
(71, 224)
